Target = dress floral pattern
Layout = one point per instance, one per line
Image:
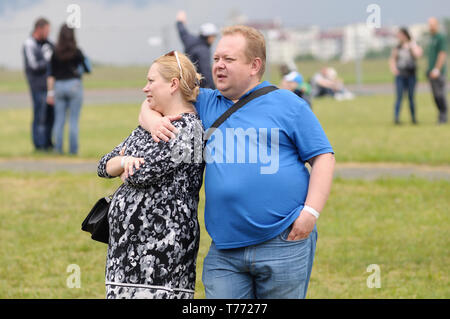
(154, 231)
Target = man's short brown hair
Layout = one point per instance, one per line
(256, 44)
(41, 22)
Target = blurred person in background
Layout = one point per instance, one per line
(326, 82)
(198, 48)
(403, 65)
(293, 81)
(37, 51)
(436, 72)
(65, 88)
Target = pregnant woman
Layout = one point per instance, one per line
(154, 231)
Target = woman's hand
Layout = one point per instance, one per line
(395, 71)
(131, 164)
(122, 175)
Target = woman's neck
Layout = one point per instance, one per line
(178, 107)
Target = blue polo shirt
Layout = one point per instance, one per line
(256, 181)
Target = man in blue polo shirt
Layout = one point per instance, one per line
(261, 202)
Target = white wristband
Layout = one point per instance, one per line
(122, 162)
(312, 211)
(50, 93)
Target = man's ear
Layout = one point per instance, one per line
(256, 65)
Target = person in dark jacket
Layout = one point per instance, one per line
(198, 48)
(37, 51)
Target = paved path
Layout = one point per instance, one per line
(367, 171)
(372, 171)
(387, 88)
(91, 97)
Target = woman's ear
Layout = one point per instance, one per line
(174, 85)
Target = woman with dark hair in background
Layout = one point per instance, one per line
(65, 87)
(403, 65)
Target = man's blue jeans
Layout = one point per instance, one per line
(42, 124)
(68, 99)
(276, 269)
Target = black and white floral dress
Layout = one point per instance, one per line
(154, 231)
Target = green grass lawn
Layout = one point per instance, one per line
(402, 225)
(360, 130)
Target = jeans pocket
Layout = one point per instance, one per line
(284, 235)
(291, 261)
(75, 87)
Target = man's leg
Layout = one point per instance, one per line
(282, 268)
(443, 99)
(39, 118)
(50, 119)
(438, 89)
(225, 275)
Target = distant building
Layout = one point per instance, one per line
(328, 44)
(346, 43)
(419, 32)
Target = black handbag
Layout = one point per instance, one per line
(96, 221)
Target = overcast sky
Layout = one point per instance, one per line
(117, 31)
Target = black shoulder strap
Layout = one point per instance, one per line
(236, 106)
